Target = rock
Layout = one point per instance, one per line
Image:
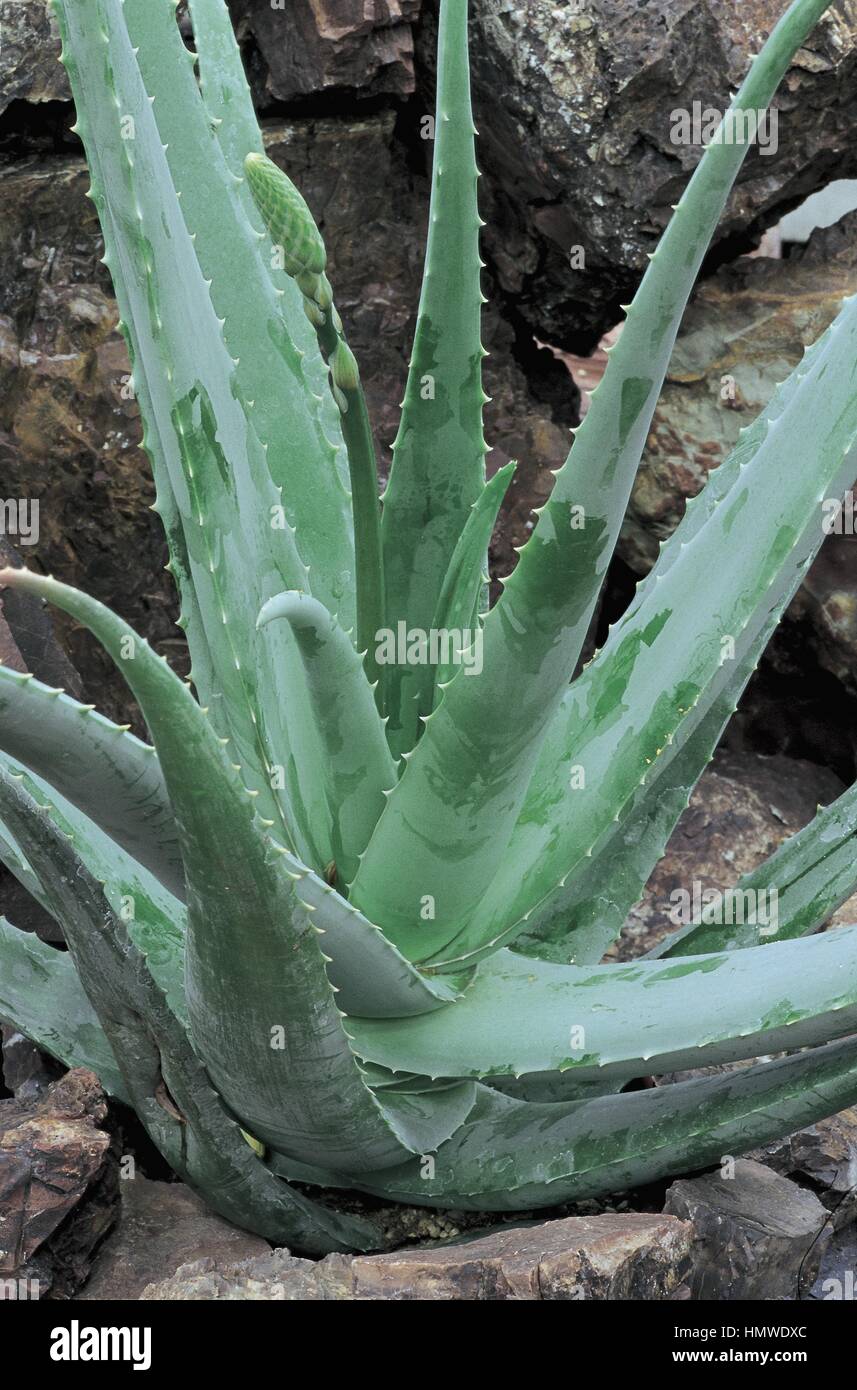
(837, 1278)
(311, 49)
(743, 807)
(574, 104)
(159, 1225)
(30, 69)
(629, 1256)
(755, 1234)
(823, 1158)
(58, 1185)
(24, 1070)
(274, 1277)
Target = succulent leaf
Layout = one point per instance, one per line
(523, 1016)
(104, 770)
(813, 872)
(584, 913)
(162, 1077)
(164, 246)
(512, 1154)
(154, 919)
(438, 468)
(41, 994)
(458, 604)
(358, 766)
(664, 661)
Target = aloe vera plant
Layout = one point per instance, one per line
(341, 924)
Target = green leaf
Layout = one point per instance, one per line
(663, 664)
(215, 476)
(512, 1155)
(372, 978)
(577, 922)
(458, 605)
(40, 994)
(272, 384)
(451, 817)
(223, 84)
(153, 917)
(162, 1077)
(298, 241)
(812, 872)
(438, 468)
(104, 770)
(358, 768)
(527, 1016)
(424, 1118)
(263, 1016)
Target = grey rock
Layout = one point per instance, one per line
(824, 1158)
(272, 1278)
(160, 1224)
(25, 1071)
(755, 1234)
(613, 1257)
(30, 69)
(837, 1278)
(573, 99)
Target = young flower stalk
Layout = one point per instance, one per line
(297, 239)
(368, 917)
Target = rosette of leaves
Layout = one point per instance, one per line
(340, 916)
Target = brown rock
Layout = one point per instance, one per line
(160, 1225)
(629, 1256)
(573, 101)
(57, 1184)
(312, 47)
(755, 1234)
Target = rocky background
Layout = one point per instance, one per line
(572, 100)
